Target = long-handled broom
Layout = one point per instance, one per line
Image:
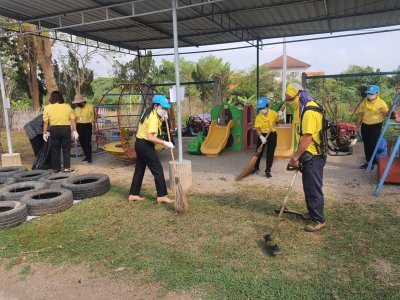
(270, 238)
(250, 166)
(181, 203)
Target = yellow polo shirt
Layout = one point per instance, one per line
(372, 111)
(312, 124)
(84, 114)
(152, 124)
(267, 122)
(58, 114)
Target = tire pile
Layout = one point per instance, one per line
(26, 193)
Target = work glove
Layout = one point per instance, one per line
(75, 135)
(263, 139)
(281, 114)
(46, 136)
(169, 145)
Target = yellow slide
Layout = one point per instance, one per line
(285, 143)
(216, 139)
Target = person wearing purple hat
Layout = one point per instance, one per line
(370, 118)
(146, 138)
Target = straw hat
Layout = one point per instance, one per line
(79, 99)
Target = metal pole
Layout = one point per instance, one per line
(140, 67)
(3, 96)
(258, 69)
(177, 75)
(284, 69)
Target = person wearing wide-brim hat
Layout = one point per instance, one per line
(370, 118)
(146, 138)
(84, 114)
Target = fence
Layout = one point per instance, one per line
(19, 117)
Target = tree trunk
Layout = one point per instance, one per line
(27, 52)
(33, 85)
(44, 55)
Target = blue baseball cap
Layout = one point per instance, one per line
(372, 89)
(161, 100)
(262, 102)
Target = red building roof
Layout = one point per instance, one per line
(277, 63)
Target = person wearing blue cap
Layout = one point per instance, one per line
(265, 124)
(146, 138)
(370, 118)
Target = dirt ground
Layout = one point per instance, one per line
(343, 180)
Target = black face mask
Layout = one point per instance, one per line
(81, 104)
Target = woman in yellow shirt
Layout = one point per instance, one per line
(84, 116)
(265, 124)
(370, 118)
(60, 117)
(146, 138)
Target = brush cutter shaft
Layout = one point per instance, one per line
(278, 221)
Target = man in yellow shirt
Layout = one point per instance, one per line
(265, 124)
(292, 95)
(84, 114)
(313, 162)
(370, 117)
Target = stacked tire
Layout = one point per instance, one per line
(87, 185)
(48, 201)
(12, 213)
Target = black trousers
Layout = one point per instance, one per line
(85, 138)
(271, 145)
(146, 155)
(370, 136)
(313, 174)
(60, 137)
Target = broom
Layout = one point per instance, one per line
(250, 166)
(181, 204)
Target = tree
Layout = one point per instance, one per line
(43, 50)
(75, 74)
(207, 68)
(130, 71)
(69, 82)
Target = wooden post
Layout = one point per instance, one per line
(10, 160)
(184, 172)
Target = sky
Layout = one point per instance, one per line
(332, 56)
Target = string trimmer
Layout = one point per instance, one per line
(270, 238)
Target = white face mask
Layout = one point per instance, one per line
(161, 112)
(371, 97)
(264, 111)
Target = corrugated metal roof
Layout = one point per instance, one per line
(224, 21)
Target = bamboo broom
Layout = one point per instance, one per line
(181, 203)
(250, 166)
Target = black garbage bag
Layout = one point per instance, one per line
(43, 160)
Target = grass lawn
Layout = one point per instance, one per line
(216, 251)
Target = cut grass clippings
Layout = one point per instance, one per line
(217, 250)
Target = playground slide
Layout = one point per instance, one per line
(285, 144)
(216, 139)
